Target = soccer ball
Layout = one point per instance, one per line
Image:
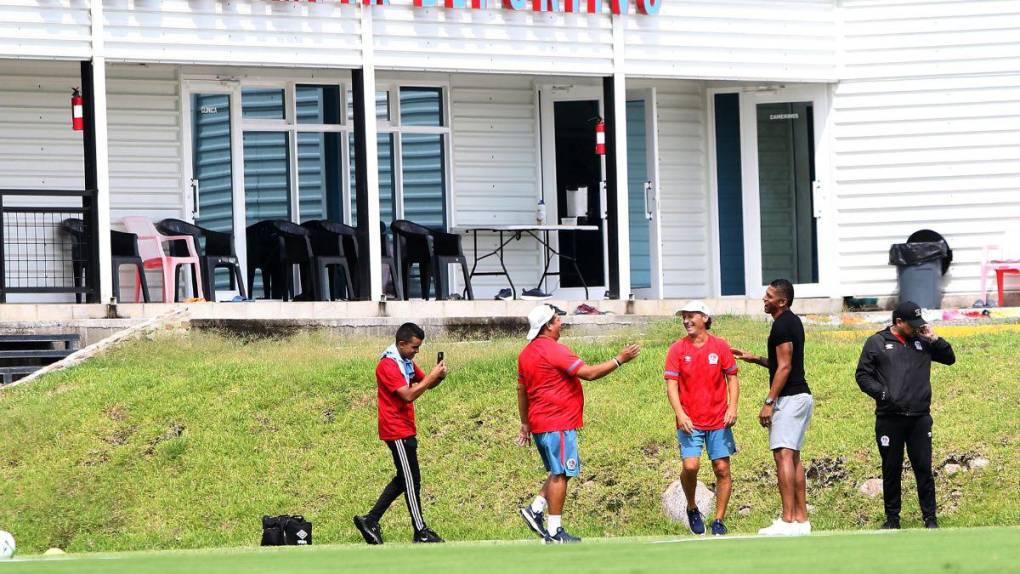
(6, 545)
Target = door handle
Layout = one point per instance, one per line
(817, 197)
(603, 204)
(649, 199)
(194, 198)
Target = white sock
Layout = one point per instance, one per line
(539, 504)
(554, 523)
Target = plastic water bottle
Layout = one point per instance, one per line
(540, 213)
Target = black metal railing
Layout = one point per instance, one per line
(49, 242)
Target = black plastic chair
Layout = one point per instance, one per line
(215, 250)
(389, 262)
(274, 247)
(431, 250)
(331, 243)
(123, 251)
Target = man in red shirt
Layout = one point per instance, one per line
(400, 382)
(702, 387)
(550, 401)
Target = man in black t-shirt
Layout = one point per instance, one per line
(788, 406)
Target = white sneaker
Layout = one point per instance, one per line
(780, 527)
(803, 528)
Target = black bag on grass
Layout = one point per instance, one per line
(286, 530)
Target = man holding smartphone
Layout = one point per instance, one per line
(400, 382)
(895, 370)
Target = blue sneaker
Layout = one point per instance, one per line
(562, 537)
(696, 521)
(535, 521)
(718, 528)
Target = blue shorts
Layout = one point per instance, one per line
(559, 452)
(720, 443)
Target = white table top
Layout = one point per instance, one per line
(525, 227)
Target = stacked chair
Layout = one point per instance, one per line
(325, 252)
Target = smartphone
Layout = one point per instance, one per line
(439, 357)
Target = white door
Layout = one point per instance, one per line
(643, 195)
(783, 154)
(215, 173)
(568, 117)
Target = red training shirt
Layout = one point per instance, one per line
(396, 416)
(555, 397)
(700, 374)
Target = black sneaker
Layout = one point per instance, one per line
(369, 529)
(696, 521)
(890, 524)
(505, 294)
(562, 537)
(931, 522)
(426, 535)
(535, 294)
(718, 528)
(535, 521)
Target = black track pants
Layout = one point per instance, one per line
(892, 433)
(406, 482)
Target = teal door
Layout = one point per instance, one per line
(786, 172)
(212, 172)
(638, 189)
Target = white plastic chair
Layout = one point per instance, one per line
(150, 248)
(1003, 259)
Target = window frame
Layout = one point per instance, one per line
(394, 127)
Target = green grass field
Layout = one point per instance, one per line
(185, 442)
(948, 550)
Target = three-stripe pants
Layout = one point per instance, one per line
(406, 482)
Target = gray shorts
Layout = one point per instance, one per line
(790, 419)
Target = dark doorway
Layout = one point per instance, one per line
(578, 166)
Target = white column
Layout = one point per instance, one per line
(622, 189)
(102, 203)
(370, 175)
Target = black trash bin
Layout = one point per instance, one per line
(920, 264)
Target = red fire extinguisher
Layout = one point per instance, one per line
(77, 111)
(600, 137)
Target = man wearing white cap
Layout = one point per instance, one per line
(702, 387)
(551, 405)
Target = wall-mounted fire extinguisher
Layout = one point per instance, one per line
(77, 111)
(600, 137)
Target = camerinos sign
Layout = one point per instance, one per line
(650, 7)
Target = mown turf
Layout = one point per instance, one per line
(186, 442)
(951, 551)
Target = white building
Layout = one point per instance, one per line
(795, 138)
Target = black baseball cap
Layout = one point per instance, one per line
(910, 312)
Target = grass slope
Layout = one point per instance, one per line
(186, 442)
(955, 551)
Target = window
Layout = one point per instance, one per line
(413, 141)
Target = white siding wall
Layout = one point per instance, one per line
(496, 173)
(297, 34)
(735, 39)
(493, 39)
(39, 150)
(926, 134)
(59, 29)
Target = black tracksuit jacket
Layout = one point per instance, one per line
(897, 375)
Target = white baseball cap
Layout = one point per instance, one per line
(541, 315)
(695, 307)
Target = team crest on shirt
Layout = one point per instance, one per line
(571, 463)
(687, 358)
(713, 359)
(888, 346)
(884, 440)
(917, 345)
